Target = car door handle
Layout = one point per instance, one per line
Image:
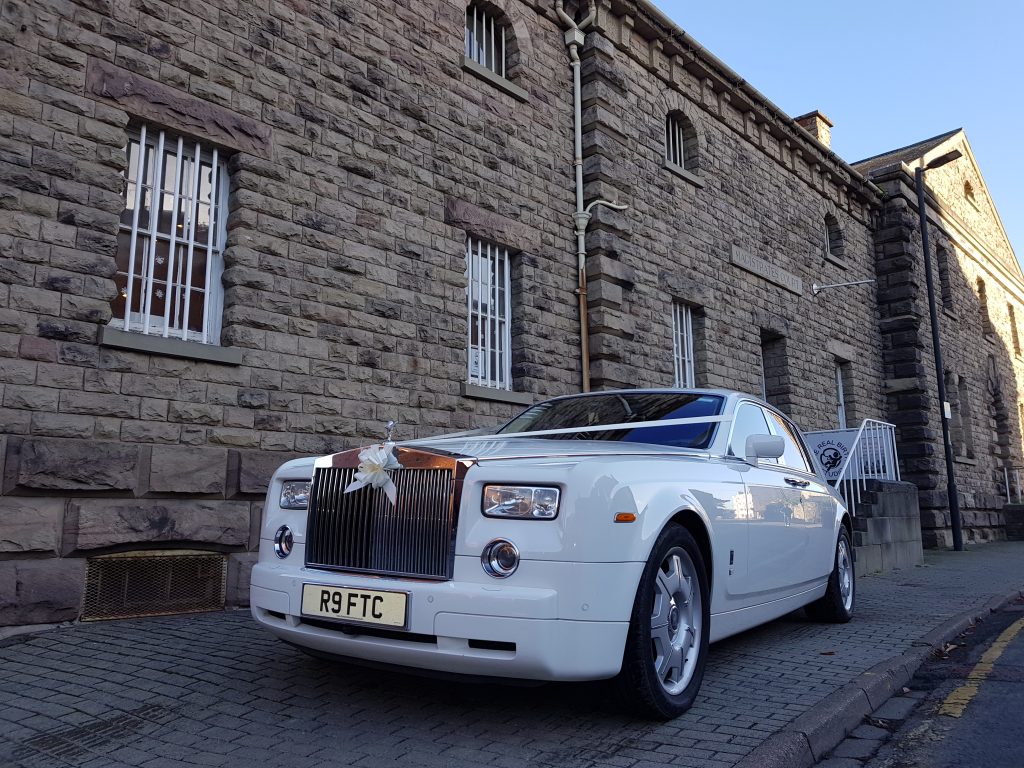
(797, 483)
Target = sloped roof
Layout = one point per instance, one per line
(903, 154)
(981, 216)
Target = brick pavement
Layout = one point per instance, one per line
(214, 690)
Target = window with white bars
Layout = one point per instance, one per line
(682, 343)
(680, 142)
(486, 38)
(490, 310)
(170, 242)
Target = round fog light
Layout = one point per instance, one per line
(500, 558)
(283, 542)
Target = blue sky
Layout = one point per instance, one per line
(887, 74)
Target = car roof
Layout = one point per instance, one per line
(727, 393)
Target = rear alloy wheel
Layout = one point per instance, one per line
(667, 644)
(836, 605)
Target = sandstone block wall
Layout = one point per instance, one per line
(759, 186)
(360, 156)
(984, 370)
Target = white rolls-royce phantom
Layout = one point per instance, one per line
(604, 535)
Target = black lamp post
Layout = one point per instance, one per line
(951, 490)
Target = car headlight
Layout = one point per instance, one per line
(524, 502)
(295, 494)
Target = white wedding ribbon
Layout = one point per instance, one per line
(375, 462)
(602, 427)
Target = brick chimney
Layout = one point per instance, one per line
(819, 126)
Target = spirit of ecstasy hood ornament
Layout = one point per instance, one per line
(389, 431)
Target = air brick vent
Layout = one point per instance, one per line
(155, 583)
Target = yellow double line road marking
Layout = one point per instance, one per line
(957, 701)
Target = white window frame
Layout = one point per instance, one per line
(489, 313)
(485, 39)
(184, 191)
(682, 344)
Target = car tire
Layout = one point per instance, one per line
(667, 643)
(836, 606)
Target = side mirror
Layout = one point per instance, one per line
(764, 447)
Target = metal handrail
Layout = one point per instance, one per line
(1012, 482)
(872, 457)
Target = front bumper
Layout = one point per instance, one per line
(525, 628)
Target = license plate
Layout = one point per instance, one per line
(366, 606)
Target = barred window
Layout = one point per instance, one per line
(170, 242)
(682, 342)
(486, 35)
(489, 335)
(681, 142)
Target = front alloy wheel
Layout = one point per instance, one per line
(666, 647)
(676, 621)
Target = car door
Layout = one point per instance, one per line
(813, 517)
(758, 497)
(770, 505)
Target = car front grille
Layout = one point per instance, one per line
(361, 531)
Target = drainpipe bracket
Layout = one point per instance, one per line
(574, 36)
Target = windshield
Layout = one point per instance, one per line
(621, 408)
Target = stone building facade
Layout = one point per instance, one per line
(979, 291)
(341, 178)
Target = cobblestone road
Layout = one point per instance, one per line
(213, 690)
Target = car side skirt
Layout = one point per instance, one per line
(729, 623)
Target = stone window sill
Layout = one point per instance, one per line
(949, 313)
(685, 175)
(496, 80)
(965, 460)
(836, 261)
(158, 345)
(477, 392)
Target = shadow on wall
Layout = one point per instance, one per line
(981, 360)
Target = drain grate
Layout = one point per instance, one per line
(93, 740)
(154, 583)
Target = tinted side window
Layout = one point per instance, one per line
(792, 457)
(749, 420)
